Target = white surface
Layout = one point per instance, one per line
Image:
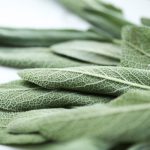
(47, 14)
(133, 9)
(36, 14)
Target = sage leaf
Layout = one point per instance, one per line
(8, 138)
(34, 58)
(42, 37)
(22, 96)
(118, 124)
(20, 139)
(136, 47)
(145, 21)
(6, 117)
(84, 144)
(140, 146)
(132, 97)
(90, 51)
(90, 79)
(102, 15)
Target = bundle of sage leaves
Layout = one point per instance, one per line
(87, 90)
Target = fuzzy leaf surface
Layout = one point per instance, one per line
(22, 96)
(118, 124)
(90, 79)
(136, 47)
(34, 58)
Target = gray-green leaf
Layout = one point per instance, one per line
(119, 124)
(34, 58)
(90, 79)
(20, 139)
(136, 47)
(100, 14)
(43, 37)
(7, 117)
(81, 144)
(132, 97)
(90, 51)
(21, 96)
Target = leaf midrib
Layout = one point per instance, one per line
(138, 49)
(109, 78)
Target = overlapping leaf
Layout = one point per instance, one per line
(108, 122)
(90, 79)
(90, 51)
(132, 97)
(8, 138)
(34, 58)
(84, 144)
(20, 139)
(7, 117)
(107, 18)
(136, 47)
(123, 120)
(21, 96)
(42, 37)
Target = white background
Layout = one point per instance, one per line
(48, 14)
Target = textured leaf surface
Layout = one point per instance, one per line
(34, 58)
(136, 47)
(25, 96)
(7, 117)
(90, 51)
(145, 21)
(42, 37)
(126, 123)
(90, 79)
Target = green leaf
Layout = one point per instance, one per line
(132, 97)
(115, 124)
(82, 144)
(43, 37)
(90, 51)
(6, 117)
(145, 21)
(34, 58)
(90, 79)
(136, 47)
(20, 139)
(8, 138)
(21, 96)
(100, 14)
(141, 146)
